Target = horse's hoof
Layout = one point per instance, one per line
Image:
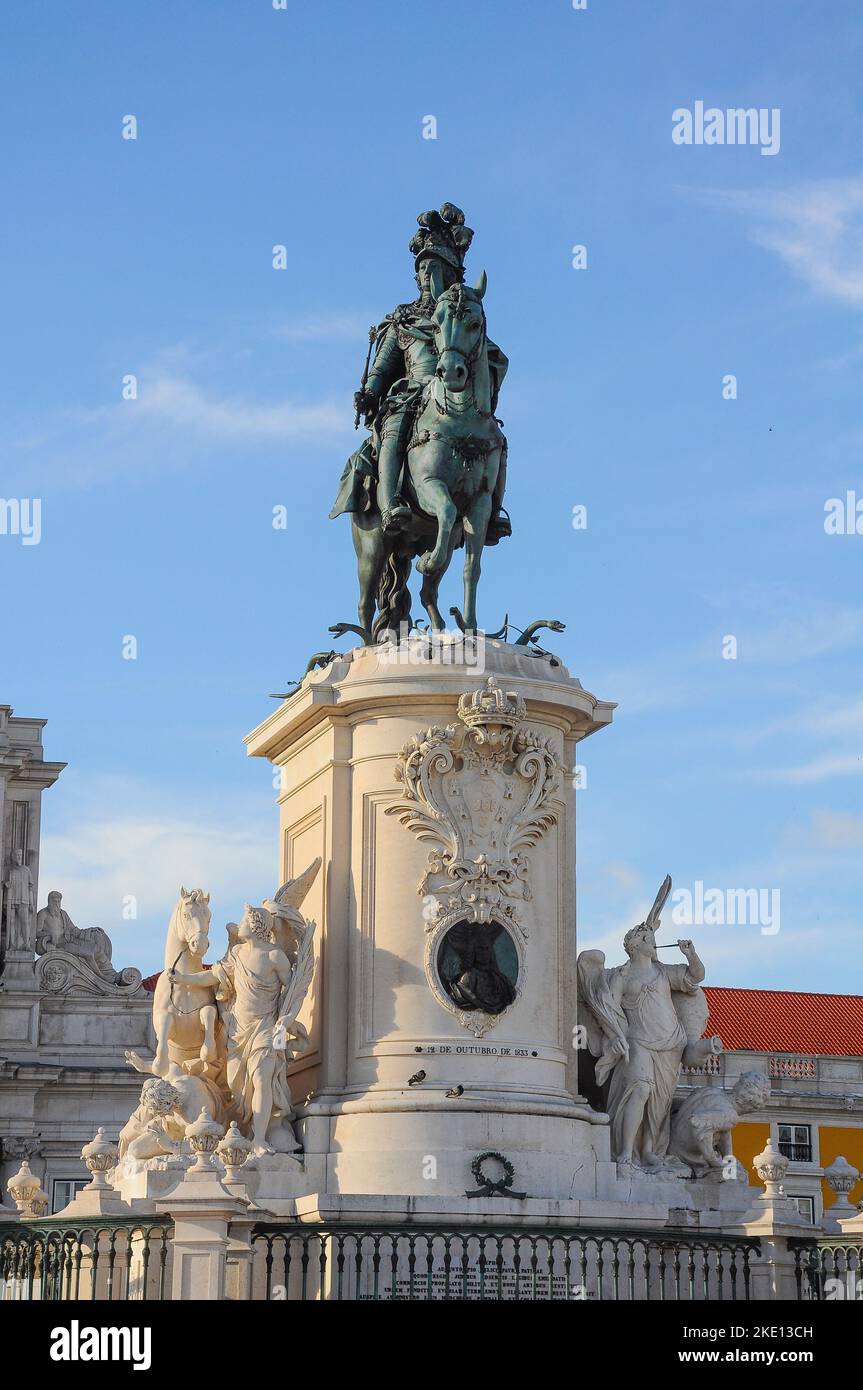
(424, 564)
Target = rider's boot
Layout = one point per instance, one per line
(395, 513)
(395, 517)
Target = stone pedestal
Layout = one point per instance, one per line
(851, 1226)
(202, 1210)
(387, 1040)
(19, 972)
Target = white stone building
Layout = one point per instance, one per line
(66, 1016)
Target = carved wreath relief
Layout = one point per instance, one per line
(479, 791)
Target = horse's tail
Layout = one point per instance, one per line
(394, 599)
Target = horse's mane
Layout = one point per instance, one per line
(460, 293)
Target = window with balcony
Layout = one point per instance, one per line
(795, 1142)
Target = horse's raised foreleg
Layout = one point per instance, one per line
(475, 526)
(162, 1028)
(434, 498)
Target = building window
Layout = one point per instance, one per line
(795, 1142)
(805, 1206)
(63, 1190)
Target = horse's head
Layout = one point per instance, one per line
(458, 321)
(191, 921)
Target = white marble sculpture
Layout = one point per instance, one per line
(184, 1016)
(75, 956)
(701, 1126)
(157, 1128)
(226, 1035)
(20, 903)
(643, 1019)
(260, 993)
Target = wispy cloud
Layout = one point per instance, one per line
(188, 406)
(804, 636)
(119, 841)
(816, 229)
(777, 628)
(325, 328)
(816, 770)
(837, 830)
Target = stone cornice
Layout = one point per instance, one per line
(362, 681)
(43, 1073)
(36, 773)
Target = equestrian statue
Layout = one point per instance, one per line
(431, 474)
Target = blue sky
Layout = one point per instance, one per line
(705, 515)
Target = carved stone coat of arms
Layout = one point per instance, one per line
(480, 792)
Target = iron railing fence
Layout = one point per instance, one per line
(383, 1263)
(828, 1268)
(124, 1258)
(130, 1258)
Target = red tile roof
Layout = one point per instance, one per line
(778, 1020)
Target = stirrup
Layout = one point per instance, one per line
(394, 517)
(499, 527)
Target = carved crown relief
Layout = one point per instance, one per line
(479, 792)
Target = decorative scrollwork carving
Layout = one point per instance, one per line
(480, 792)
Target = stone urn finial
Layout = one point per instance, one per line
(26, 1192)
(233, 1151)
(204, 1136)
(771, 1167)
(842, 1177)
(100, 1156)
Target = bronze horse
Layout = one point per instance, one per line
(454, 456)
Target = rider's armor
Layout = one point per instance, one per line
(405, 361)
